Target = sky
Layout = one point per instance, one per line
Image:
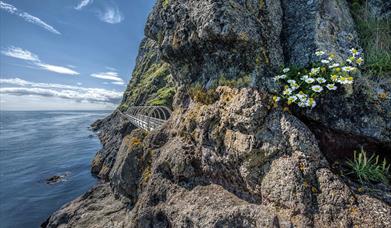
(68, 55)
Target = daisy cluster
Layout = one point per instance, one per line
(302, 86)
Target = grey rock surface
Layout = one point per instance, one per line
(96, 208)
(239, 162)
(317, 25)
(110, 131)
(380, 9)
(243, 164)
(205, 40)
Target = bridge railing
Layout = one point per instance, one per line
(148, 117)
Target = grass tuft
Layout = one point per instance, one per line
(375, 38)
(369, 169)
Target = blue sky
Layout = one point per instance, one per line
(73, 54)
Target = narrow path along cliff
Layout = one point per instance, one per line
(231, 154)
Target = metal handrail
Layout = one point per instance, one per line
(148, 118)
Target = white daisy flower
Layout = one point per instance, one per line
(360, 61)
(302, 96)
(331, 87)
(294, 86)
(287, 91)
(334, 65)
(321, 80)
(354, 51)
(291, 81)
(282, 76)
(304, 77)
(319, 53)
(348, 68)
(342, 80)
(310, 80)
(310, 103)
(317, 88)
(325, 61)
(302, 104)
(345, 80)
(315, 71)
(334, 77)
(292, 98)
(286, 70)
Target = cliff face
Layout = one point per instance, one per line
(240, 161)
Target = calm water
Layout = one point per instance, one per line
(35, 146)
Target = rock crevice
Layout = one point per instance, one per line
(240, 161)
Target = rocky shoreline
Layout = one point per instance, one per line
(241, 160)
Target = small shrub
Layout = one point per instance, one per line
(164, 97)
(165, 3)
(204, 96)
(123, 107)
(368, 169)
(303, 86)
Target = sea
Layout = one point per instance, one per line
(35, 146)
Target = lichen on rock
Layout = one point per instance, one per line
(236, 160)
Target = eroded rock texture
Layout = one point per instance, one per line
(111, 131)
(236, 163)
(239, 162)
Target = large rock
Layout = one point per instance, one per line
(345, 120)
(316, 25)
(111, 131)
(238, 162)
(205, 40)
(151, 81)
(380, 9)
(96, 208)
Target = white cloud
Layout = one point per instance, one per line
(111, 15)
(20, 87)
(57, 69)
(83, 3)
(111, 76)
(34, 103)
(27, 17)
(19, 53)
(111, 68)
(118, 83)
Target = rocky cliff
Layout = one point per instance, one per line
(240, 161)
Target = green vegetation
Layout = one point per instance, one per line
(240, 82)
(165, 3)
(201, 95)
(152, 87)
(369, 169)
(302, 86)
(164, 97)
(123, 107)
(375, 38)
